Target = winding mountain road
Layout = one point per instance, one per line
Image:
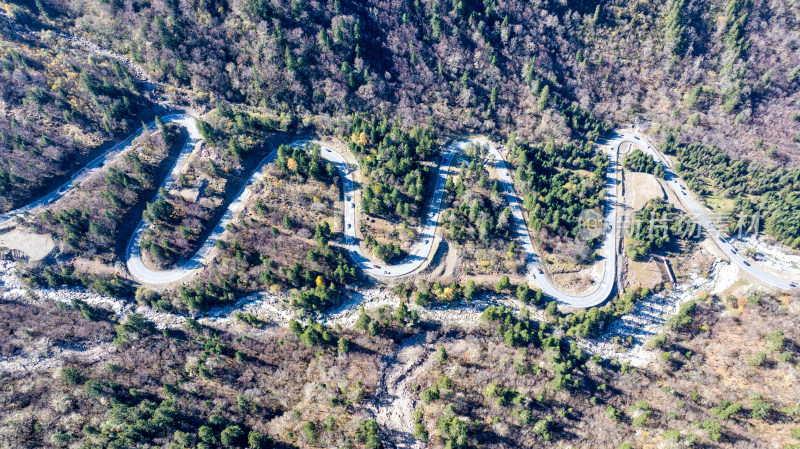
(425, 244)
(698, 213)
(95, 165)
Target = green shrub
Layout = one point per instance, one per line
(368, 434)
(658, 341)
(343, 345)
(757, 359)
(258, 441)
(713, 428)
(775, 341)
(310, 432)
(726, 409)
(504, 284)
(644, 412)
(430, 394)
(684, 317)
(420, 432)
(231, 436)
(672, 435)
(60, 438)
(791, 411)
(441, 355)
(542, 428)
(71, 376)
(613, 412)
(759, 409)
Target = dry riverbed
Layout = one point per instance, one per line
(275, 309)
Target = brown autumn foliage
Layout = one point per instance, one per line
(491, 390)
(60, 108)
(471, 66)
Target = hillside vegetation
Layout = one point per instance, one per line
(718, 75)
(58, 107)
(96, 219)
(722, 72)
(509, 382)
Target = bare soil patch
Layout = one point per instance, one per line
(643, 274)
(576, 279)
(35, 246)
(640, 188)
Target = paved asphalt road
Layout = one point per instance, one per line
(700, 216)
(420, 250)
(198, 260)
(603, 291)
(425, 244)
(96, 164)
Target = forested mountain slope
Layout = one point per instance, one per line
(725, 72)
(58, 107)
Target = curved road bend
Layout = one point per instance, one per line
(420, 250)
(94, 165)
(417, 256)
(603, 291)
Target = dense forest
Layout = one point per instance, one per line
(391, 159)
(656, 226)
(724, 72)
(638, 161)
(397, 161)
(557, 182)
(770, 192)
